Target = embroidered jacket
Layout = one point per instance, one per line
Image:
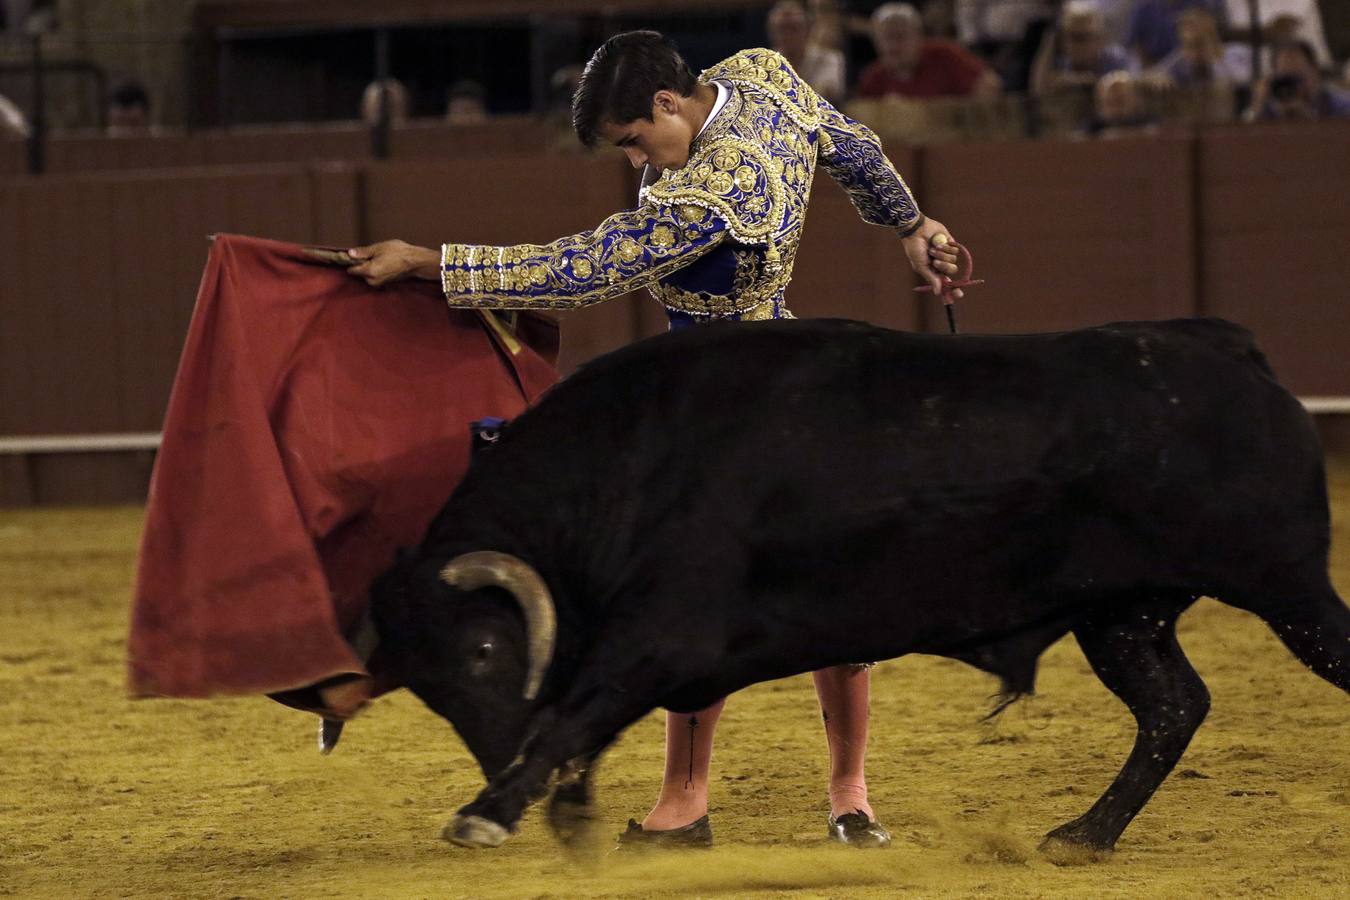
(715, 239)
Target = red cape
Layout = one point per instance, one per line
(315, 425)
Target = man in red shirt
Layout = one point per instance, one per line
(913, 66)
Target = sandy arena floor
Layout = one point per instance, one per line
(104, 797)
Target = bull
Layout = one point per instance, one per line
(730, 504)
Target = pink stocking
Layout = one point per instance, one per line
(844, 693)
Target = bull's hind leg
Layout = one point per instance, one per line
(1312, 621)
(1136, 655)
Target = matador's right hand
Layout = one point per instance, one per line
(393, 261)
(930, 259)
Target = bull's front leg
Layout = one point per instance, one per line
(569, 809)
(585, 722)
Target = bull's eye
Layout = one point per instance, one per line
(481, 658)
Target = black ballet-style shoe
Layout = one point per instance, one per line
(856, 830)
(695, 835)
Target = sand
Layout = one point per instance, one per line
(101, 796)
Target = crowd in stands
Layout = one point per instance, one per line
(1127, 64)
(1120, 56)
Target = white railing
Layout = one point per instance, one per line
(102, 443)
(78, 443)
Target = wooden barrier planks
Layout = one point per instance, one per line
(848, 268)
(13, 157)
(1274, 235)
(101, 270)
(99, 289)
(84, 152)
(1068, 234)
(511, 200)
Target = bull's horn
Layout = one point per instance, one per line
(489, 568)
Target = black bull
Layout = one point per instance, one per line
(731, 504)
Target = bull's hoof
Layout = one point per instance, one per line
(474, 831)
(1073, 844)
(572, 822)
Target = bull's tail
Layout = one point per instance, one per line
(1006, 697)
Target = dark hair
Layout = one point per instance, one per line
(129, 93)
(619, 82)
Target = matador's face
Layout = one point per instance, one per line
(663, 142)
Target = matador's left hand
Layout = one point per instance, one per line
(930, 260)
(394, 260)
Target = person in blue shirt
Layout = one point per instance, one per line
(1296, 90)
(1076, 52)
(1153, 34)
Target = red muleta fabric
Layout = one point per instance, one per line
(315, 425)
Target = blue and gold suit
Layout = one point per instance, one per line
(712, 240)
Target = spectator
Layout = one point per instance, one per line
(27, 16)
(1199, 57)
(128, 109)
(1118, 108)
(912, 66)
(1295, 90)
(828, 24)
(1005, 33)
(1117, 15)
(1281, 21)
(380, 92)
(1076, 53)
(1154, 25)
(939, 18)
(789, 29)
(464, 104)
(12, 120)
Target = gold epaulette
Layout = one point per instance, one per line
(769, 72)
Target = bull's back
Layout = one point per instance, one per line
(816, 426)
(929, 410)
(1150, 438)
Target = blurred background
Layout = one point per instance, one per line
(1104, 160)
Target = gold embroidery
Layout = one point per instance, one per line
(721, 183)
(849, 150)
(726, 159)
(629, 250)
(747, 181)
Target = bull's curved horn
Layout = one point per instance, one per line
(489, 568)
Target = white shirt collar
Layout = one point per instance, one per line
(723, 92)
